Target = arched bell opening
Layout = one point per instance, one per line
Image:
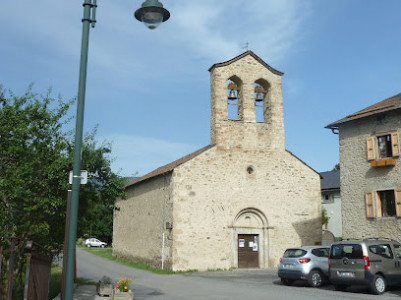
(234, 103)
(261, 92)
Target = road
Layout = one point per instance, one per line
(233, 285)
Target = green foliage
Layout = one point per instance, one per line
(36, 156)
(325, 217)
(336, 167)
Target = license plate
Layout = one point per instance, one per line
(288, 266)
(346, 274)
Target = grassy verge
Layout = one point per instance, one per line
(107, 253)
(55, 281)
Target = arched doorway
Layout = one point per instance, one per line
(250, 239)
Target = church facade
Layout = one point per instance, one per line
(236, 203)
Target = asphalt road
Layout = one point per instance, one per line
(233, 285)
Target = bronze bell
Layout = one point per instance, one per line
(259, 96)
(232, 95)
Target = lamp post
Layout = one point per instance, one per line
(152, 14)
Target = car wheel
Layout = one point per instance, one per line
(89, 245)
(340, 287)
(378, 285)
(102, 246)
(286, 281)
(315, 278)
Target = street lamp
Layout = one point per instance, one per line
(152, 14)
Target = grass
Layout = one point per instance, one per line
(107, 253)
(55, 281)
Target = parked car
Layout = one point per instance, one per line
(305, 263)
(94, 243)
(375, 262)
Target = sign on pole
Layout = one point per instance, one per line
(84, 177)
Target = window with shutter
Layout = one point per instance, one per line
(395, 143)
(370, 143)
(370, 208)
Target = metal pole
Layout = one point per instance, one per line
(76, 180)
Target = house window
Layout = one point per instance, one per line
(383, 146)
(386, 203)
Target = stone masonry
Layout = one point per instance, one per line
(244, 183)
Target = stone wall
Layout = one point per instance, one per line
(140, 221)
(358, 178)
(211, 190)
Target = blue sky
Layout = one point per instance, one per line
(149, 91)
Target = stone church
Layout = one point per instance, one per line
(236, 203)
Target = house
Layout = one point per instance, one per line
(331, 200)
(236, 203)
(371, 170)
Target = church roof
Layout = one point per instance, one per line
(169, 167)
(386, 105)
(249, 52)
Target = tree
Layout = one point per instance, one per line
(36, 154)
(336, 167)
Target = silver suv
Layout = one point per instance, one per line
(304, 263)
(375, 262)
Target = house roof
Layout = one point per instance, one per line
(169, 167)
(249, 52)
(330, 180)
(386, 105)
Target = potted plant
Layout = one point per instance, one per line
(122, 290)
(104, 287)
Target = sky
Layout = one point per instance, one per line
(148, 91)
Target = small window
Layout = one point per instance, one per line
(293, 253)
(386, 201)
(384, 145)
(321, 252)
(383, 250)
(397, 249)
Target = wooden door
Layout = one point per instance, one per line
(248, 251)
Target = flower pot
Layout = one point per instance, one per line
(104, 289)
(117, 295)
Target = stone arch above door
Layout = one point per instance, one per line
(250, 218)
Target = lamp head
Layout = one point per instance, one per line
(152, 14)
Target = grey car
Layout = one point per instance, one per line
(305, 263)
(374, 262)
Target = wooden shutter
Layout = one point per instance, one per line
(370, 208)
(370, 146)
(398, 202)
(395, 143)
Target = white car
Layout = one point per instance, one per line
(94, 243)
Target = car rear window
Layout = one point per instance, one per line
(353, 251)
(294, 253)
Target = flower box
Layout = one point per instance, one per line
(382, 163)
(122, 295)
